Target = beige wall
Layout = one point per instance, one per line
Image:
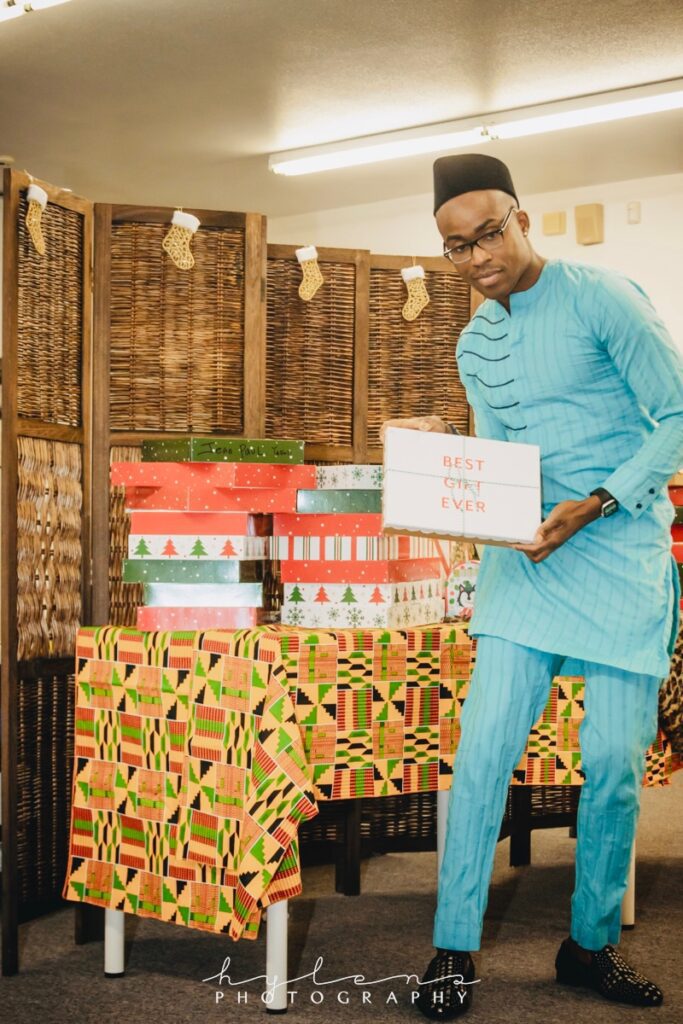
(650, 252)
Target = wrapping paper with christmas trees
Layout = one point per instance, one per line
(363, 605)
(192, 547)
(363, 616)
(363, 593)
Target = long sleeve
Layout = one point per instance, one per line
(650, 364)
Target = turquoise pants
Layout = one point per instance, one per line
(509, 690)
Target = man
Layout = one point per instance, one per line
(574, 359)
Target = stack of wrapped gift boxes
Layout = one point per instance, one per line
(337, 568)
(676, 495)
(201, 515)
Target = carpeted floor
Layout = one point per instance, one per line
(384, 932)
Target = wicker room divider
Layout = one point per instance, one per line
(96, 359)
(182, 352)
(107, 344)
(338, 366)
(46, 459)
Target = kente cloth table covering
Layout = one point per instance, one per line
(197, 755)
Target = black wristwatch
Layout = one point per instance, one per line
(609, 503)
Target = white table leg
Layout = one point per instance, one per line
(628, 904)
(442, 798)
(114, 943)
(276, 956)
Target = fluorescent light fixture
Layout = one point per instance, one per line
(474, 131)
(40, 5)
(9, 11)
(15, 8)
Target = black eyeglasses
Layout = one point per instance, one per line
(490, 240)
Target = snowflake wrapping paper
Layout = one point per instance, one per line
(341, 615)
(349, 477)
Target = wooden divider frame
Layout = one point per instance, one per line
(14, 427)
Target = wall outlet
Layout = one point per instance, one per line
(633, 212)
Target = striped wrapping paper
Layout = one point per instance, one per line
(342, 549)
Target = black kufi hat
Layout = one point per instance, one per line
(469, 172)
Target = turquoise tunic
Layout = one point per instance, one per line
(583, 367)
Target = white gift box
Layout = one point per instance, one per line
(457, 487)
(349, 476)
(395, 616)
(203, 595)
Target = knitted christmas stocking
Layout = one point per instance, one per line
(177, 242)
(418, 296)
(312, 276)
(37, 201)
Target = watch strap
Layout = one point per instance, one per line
(608, 503)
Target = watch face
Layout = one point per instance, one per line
(609, 508)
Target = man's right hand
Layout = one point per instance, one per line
(433, 423)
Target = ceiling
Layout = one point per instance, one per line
(179, 102)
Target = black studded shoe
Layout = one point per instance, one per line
(444, 992)
(609, 974)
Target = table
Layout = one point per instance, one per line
(198, 754)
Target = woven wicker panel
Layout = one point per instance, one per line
(309, 354)
(412, 368)
(49, 502)
(177, 336)
(50, 318)
(45, 731)
(124, 598)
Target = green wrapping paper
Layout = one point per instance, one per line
(158, 570)
(339, 501)
(223, 449)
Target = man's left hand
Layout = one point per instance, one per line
(564, 521)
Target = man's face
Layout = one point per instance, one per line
(494, 274)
